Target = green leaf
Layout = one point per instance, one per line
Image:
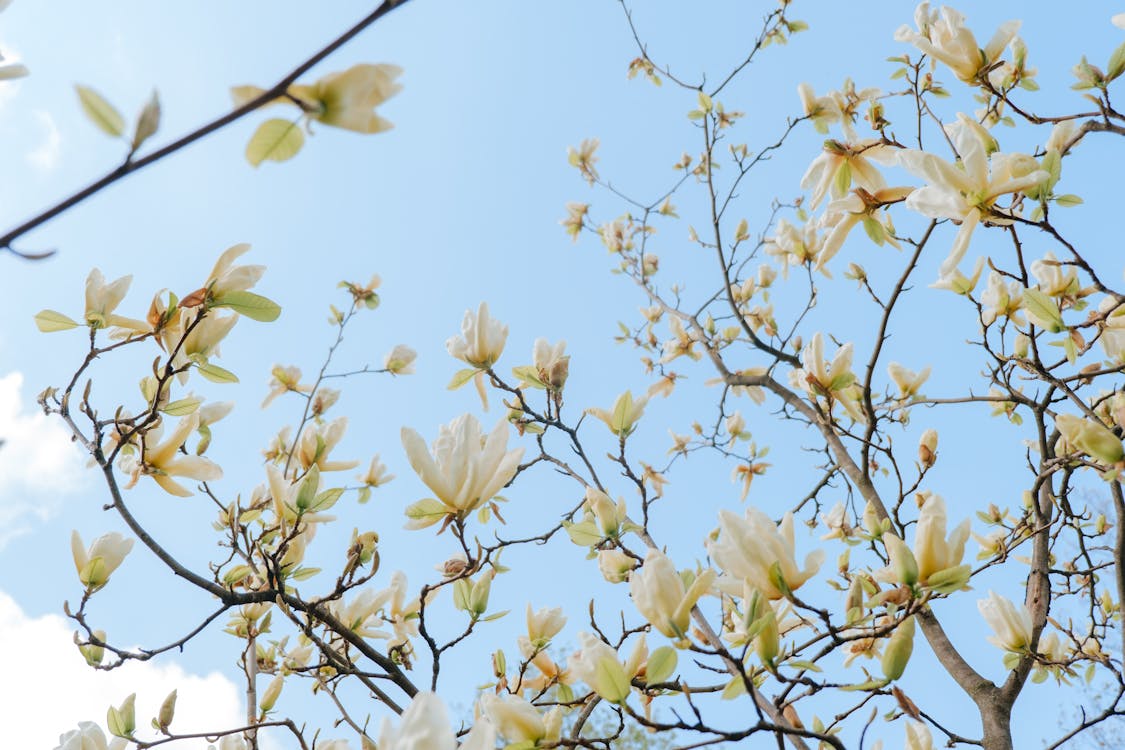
(496, 616)
(302, 574)
(274, 140)
(734, 688)
(101, 113)
(461, 377)
(148, 122)
(214, 373)
(425, 513)
(529, 376)
(865, 686)
(874, 230)
(584, 534)
(49, 321)
(182, 407)
(1043, 309)
(326, 499)
(1116, 65)
(610, 680)
(661, 664)
(802, 664)
(1068, 200)
(253, 306)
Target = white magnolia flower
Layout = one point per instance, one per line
(481, 341)
(660, 595)
(467, 468)
(967, 191)
(89, 736)
(1011, 624)
(96, 564)
(943, 36)
(748, 547)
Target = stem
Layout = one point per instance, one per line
(130, 165)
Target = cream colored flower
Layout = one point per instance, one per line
(544, 624)
(517, 721)
(1002, 299)
(748, 547)
(96, 564)
(583, 159)
(317, 443)
(227, 277)
(163, 460)
(345, 99)
(1011, 624)
(598, 665)
(918, 736)
(840, 165)
(945, 38)
(796, 246)
(400, 360)
(817, 376)
(376, 474)
(967, 191)
(575, 219)
(615, 565)
(481, 341)
(551, 363)
(622, 417)
(467, 468)
(660, 596)
(89, 736)
(934, 553)
(283, 380)
(424, 724)
(1092, 438)
(102, 299)
(908, 381)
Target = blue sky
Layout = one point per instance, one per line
(459, 203)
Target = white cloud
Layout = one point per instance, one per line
(46, 155)
(50, 688)
(38, 462)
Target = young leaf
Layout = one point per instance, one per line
(148, 122)
(274, 140)
(216, 374)
(101, 113)
(49, 321)
(253, 306)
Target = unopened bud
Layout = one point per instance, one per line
(899, 647)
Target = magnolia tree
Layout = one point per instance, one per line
(760, 632)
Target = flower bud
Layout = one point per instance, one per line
(927, 448)
(167, 712)
(91, 653)
(898, 650)
(903, 564)
(271, 694)
(122, 720)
